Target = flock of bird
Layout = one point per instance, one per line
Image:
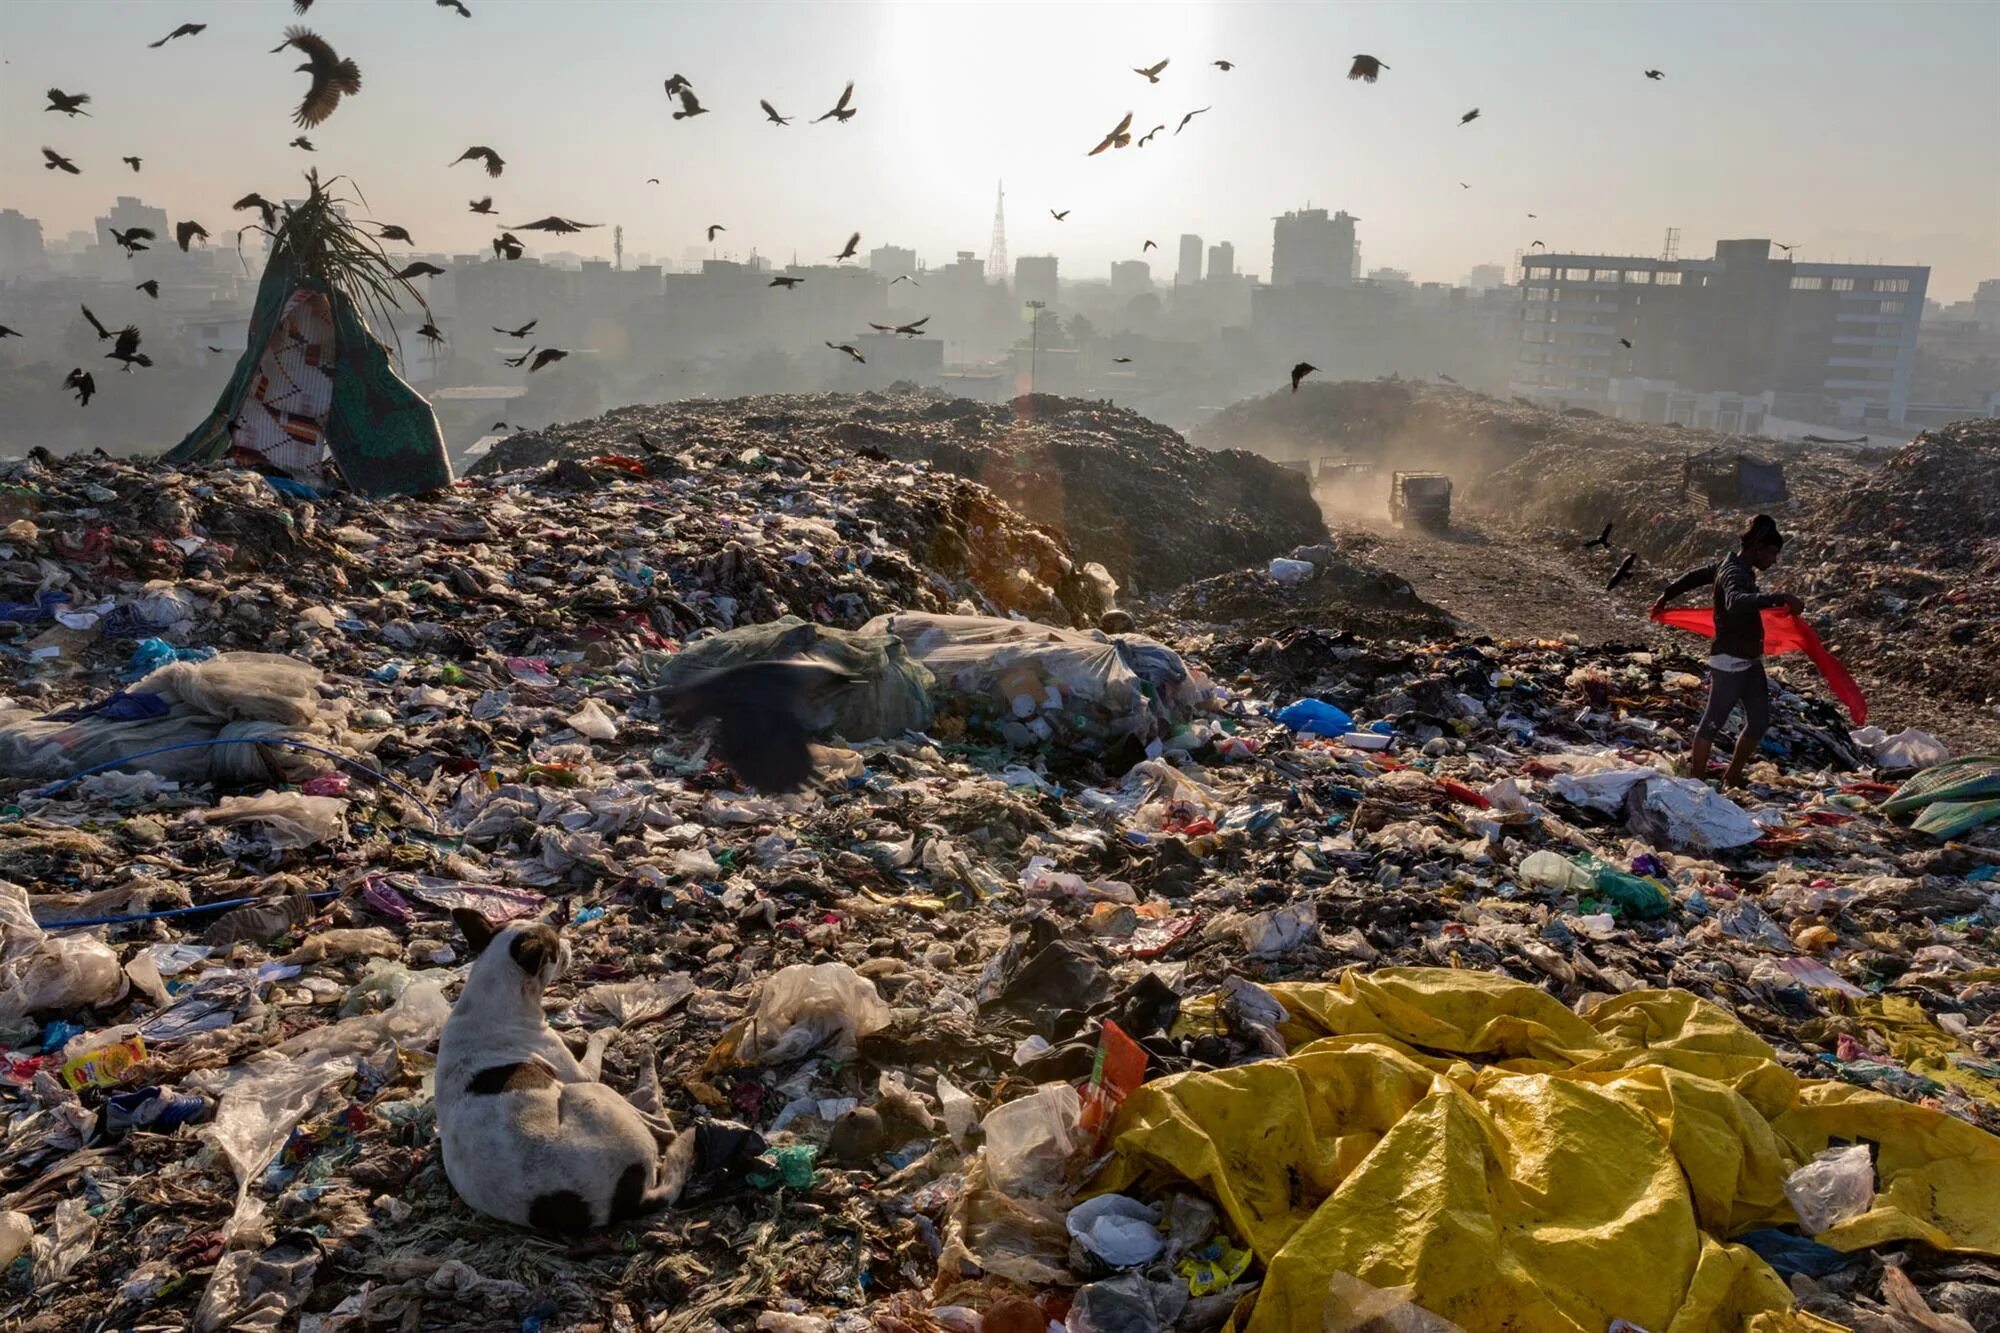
(333, 77)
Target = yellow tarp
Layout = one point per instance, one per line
(1525, 1168)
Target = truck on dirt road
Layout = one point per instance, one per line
(1421, 500)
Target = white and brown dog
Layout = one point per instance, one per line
(529, 1134)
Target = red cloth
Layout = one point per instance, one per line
(1784, 632)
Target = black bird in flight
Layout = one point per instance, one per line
(690, 105)
(1538, 245)
(303, 143)
(1656, 74)
(841, 112)
(520, 360)
(185, 30)
(1782, 246)
(483, 205)
(79, 379)
(187, 231)
(1469, 116)
(1463, 186)
(1152, 73)
(459, 5)
(771, 113)
(262, 205)
(1058, 216)
(332, 77)
(676, 83)
(1149, 134)
(507, 244)
(1625, 343)
(431, 331)
(1224, 65)
(418, 270)
(715, 227)
(1300, 371)
(133, 240)
(1366, 68)
(881, 328)
(1121, 134)
(70, 104)
(6, 332)
(652, 180)
(849, 349)
(760, 712)
(1149, 245)
(500, 425)
(847, 251)
(787, 283)
(494, 162)
(904, 277)
(131, 162)
(521, 332)
(914, 328)
(1601, 539)
(125, 347)
(561, 226)
(1190, 116)
(545, 357)
(95, 323)
(1121, 360)
(301, 6)
(150, 287)
(216, 350)
(52, 160)
(391, 232)
(1623, 572)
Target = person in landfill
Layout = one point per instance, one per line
(1736, 668)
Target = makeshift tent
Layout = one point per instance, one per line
(314, 380)
(1784, 632)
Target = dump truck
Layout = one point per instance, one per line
(1420, 499)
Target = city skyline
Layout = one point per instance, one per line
(1742, 138)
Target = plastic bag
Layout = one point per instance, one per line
(1128, 1303)
(631, 1003)
(1548, 870)
(1276, 933)
(1909, 748)
(892, 696)
(592, 721)
(289, 820)
(1691, 814)
(1315, 717)
(1121, 1231)
(42, 971)
(1353, 1306)
(1290, 572)
(16, 1230)
(960, 1113)
(1603, 789)
(1030, 1140)
(1835, 1187)
(808, 1009)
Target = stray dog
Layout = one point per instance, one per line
(529, 1134)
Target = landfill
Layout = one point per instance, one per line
(1167, 941)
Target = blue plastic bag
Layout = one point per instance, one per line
(1316, 717)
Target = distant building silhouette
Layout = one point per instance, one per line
(1035, 278)
(1221, 261)
(1309, 246)
(1189, 271)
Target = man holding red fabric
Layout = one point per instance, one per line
(1736, 668)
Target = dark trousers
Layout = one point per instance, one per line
(1727, 689)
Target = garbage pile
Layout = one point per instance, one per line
(971, 1034)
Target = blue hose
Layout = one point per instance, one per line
(171, 911)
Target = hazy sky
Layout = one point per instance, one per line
(1854, 130)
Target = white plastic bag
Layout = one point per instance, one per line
(1550, 870)
(1835, 1187)
(1603, 789)
(42, 971)
(1279, 932)
(960, 1114)
(591, 720)
(1291, 572)
(1698, 817)
(288, 818)
(1121, 1231)
(1029, 1141)
(805, 1009)
(1908, 748)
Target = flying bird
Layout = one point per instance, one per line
(95, 323)
(262, 205)
(881, 328)
(1149, 245)
(853, 244)
(508, 244)
(561, 226)
(79, 379)
(904, 277)
(459, 5)
(1224, 65)
(125, 347)
(771, 113)
(216, 350)
(1300, 371)
(1625, 343)
(1601, 539)
(1366, 68)
(185, 30)
(841, 112)
(788, 283)
(652, 180)
(521, 332)
(676, 83)
(131, 162)
(1463, 186)
(761, 715)
(1656, 74)
(545, 357)
(391, 232)
(520, 360)
(482, 205)
(1536, 216)
(301, 6)
(913, 328)
(303, 143)
(332, 77)
(494, 162)
(1058, 216)
(70, 104)
(150, 287)
(418, 270)
(1782, 246)
(1149, 134)
(1537, 245)
(187, 231)
(1120, 136)
(431, 331)
(1469, 116)
(500, 425)
(6, 332)
(690, 105)
(1152, 73)
(51, 160)
(1623, 572)
(133, 240)
(715, 227)
(1190, 116)
(849, 349)
(1121, 360)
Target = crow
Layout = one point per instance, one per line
(1624, 571)
(847, 251)
(1224, 65)
(79, 379)
(881, 328)
(125, 347)
(1188, 117)
(787, 283)
(1601, 539)
(1625, 343)
(913, 328)
(187, 231)
(216, 350)
(1469, 116)
(652, 180)
(520, 360)
(494, 162)
(95, 323)
(690, 105)
(1463, 186)
(6, 332)
(904, 277)
(70, 104)
(482, 205)
(561, 226)
(521, 332)
(1120, 136)
(1149, 134)
(1058, 216)
(332, 77)
(1786, 248)
(131, 162)
(1121, 360)
(51, 160)
(1542, 245)
(262, 205)
(715, 227)
(1300, 371)
(1149, 245)
(508, 244)
(760, 712)
(459, 5)
(391, 232)
(849, 349)
(1656, 74)
(133, 240)
(546, 356)
(500, 425)
(302, 143)
(1367, 68)
(432, 332)
(676, 83)
(1152, 73)
(150, 287)
(771, 113)
(185, 30)
(841, 112)
(418, 270)
(301, 6)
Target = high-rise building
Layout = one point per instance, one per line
(20, 243)
(996, 249)
(892, 262)
(1309, 246)
(1485, 277)
(1189, 271)
(1131, 277)
(1221, 261)
(1035, 278)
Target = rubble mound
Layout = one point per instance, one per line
(1937, 495)
(1120, 490)
(1346, 592)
